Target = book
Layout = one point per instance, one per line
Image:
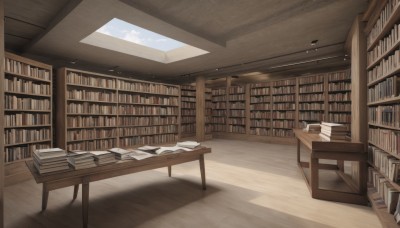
(163, 150)
(140, 155)
(150, 149)
(103, 157)
(81, 160)
(188, 144)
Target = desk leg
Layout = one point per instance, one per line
(169, 171)
(76, 189)
(298, 151)
(314, 180)
(202, 171)
(45, 197)
(85, 203)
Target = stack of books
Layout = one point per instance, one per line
(50, 160)
(313, 128)
(121, 154)
(333, 131)
(81, 160)
(103, 157)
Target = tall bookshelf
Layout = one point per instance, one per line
(27, 110)
(209, 108)
(188, 110)
(98, 111)
(311, 98)
(260, 109)
(237, 109)
(219, 109)
(383, 40)
(284, 107)
(339, 98)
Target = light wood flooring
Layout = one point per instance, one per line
(250, 184)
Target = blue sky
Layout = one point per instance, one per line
(123, 30)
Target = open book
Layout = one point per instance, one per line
(163, 150)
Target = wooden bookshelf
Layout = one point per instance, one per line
(383, 40)
(106, 111)
(237, 109)
(27, 112)
(188, 111)
(219, 109)
(284, 107)
(208, 113)
(311, 99)
(260, 109)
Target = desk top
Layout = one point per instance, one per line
(148, 163)
(315, 142)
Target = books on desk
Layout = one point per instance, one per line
(188, 144)
(81, 160)
(103, 157)
(333, 131)
(140, 155)
(120, 154)
(50, 160)
(313, 128)
(169, 149)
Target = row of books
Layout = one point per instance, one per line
(219, 105)
(26, 119)
(385, 190)
(260, 84)
(217, 92)
(311, 97)
(284, 98)
(146, 110)
(236, 89)
(283, 90)
(188, 112)
(339, 117)
(188, 128)
(388, 88)
(86, 134)
(98, 144)
(90, 80)
(237, 113)
(260, 114)
(340, 97)
(386, 66)
(220, 127)
(386, 139)
(219, 98)
(260, 91)
(260, 131)
(148, 139)
(25, 86)
(388, 115)
(188, 93)
(91, 108)
(283, 132)
(17, 67)
(383, 18)
(262, 106)
(237, 105)
(334, 86)
(79, 94)
(260, 99)
(384, 45)
(284, 106)
(312, 88)
(188, 87)
(287, 82)
(237, 97)
(188, 99)
(148, 120)
(188, 105)
(26, 103)
(283, 124)
(218, 120)
(208, 128)
(283, 115)
(146, 99)
(13, 136)
(91, 121)
(344, 107)
(311, 116)
(16, 153)
(260, 123)
(147, 87)
(188, 119)
(311, 106)
(216, 112)
(237, 121)
(387, 164)
(311, 79)
(237, 129)
(148, 130)
(339, 76)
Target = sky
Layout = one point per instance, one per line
(123, 30)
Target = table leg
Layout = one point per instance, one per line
(169, 171)
(298, 151)
(314, 172)
(202, 171)
(76, 189)
(85, 203)
(45, 197)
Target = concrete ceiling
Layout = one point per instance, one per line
(266, 36)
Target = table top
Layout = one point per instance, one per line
(315, 142)
(119, 165)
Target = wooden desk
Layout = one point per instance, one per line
(339, 150)
(56, 180)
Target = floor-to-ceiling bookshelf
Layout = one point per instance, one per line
(260, 109)
(311, 98)
(188, 110)
(237, 110)
(219, 109)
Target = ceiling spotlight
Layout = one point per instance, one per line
(74, 61)
(217, 69)
(308, 51)
(314, 42)
(112, 69)
(316, 49)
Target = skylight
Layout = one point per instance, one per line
(123, 30)
(121, 36)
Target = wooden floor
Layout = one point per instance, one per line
(249, 185)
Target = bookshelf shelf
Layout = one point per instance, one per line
(386, 219)
(384, 55)
(27, 112)
(393, 100)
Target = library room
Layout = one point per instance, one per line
(174, 113)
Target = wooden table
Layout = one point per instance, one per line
(339, 150)
(56, 180)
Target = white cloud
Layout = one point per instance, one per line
(161, 40)
(105, 30)
(133, 36)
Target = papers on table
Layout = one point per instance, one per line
(140, 155)
(188, 144)
(171, 149)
